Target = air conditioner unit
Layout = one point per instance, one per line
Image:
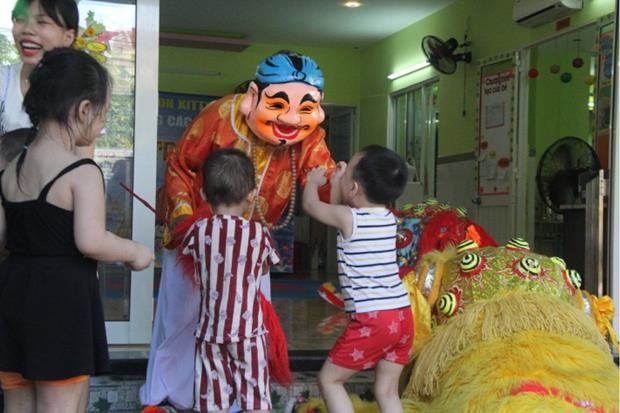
(533, 13)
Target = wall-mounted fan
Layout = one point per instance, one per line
(563, 170)
(441, 54)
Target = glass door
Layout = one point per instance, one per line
(113, 32)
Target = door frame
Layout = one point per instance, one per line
(614, 189)
(138, 329)
(526, 202)
(510, 200)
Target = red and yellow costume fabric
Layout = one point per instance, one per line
(221, 125)
(433, 225)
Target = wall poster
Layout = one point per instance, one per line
(495, 127)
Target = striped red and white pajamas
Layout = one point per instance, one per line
(231, 353)
(234, 371)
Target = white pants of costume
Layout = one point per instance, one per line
(170, 370)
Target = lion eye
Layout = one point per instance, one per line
(448, 304)
(529, 265)
(573, 278)
(559, 261)
(470, 261)
(466, 245)
(518, 244)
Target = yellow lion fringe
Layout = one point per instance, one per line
(483, 377)
(498, 318)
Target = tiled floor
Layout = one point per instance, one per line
(120, 394)
(311, 326)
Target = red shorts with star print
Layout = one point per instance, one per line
(374, 336)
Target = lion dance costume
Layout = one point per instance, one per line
(503, 329)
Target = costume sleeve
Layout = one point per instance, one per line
(316, 154)
(183, 173)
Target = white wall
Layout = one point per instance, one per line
(456, 183)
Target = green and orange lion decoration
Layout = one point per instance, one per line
(500, 329)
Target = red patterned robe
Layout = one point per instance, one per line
(221, 125)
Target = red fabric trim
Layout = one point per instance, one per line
(537, 388)
(279, 368)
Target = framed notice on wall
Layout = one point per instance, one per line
(495, 126)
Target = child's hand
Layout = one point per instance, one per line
(317, 176)
(143, 258)
(341, 168)
(335, 194)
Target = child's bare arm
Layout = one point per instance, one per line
(90, 233)
(338, 216)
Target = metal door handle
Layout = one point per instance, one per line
(476, 200)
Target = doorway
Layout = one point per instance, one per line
(315, 243)
(565, 124)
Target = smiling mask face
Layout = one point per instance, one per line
(283, 114)
(283, 105)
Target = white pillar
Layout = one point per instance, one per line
(614, 192)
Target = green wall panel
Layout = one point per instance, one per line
(491, 31)
(184, 70)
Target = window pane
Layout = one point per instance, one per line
(400, 109)
(108, 33)
(416, 117)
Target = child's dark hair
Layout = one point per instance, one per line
(381, 173)
(228, 177)
(12, 143)
(63, 12)
(63, 78)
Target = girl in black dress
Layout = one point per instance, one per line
(52, 222)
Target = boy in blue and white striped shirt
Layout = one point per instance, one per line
(380, 333)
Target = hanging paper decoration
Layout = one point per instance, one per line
(578, 61)
(555, 69)
(533, 73)
(589, 80)
(566, 77)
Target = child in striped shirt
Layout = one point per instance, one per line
(228, 253)
(380, 333)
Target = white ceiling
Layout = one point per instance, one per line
(303, 22)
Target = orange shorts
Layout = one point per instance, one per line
(12, 381)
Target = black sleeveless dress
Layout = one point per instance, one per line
(51, 317)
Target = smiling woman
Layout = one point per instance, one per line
(38, 26)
